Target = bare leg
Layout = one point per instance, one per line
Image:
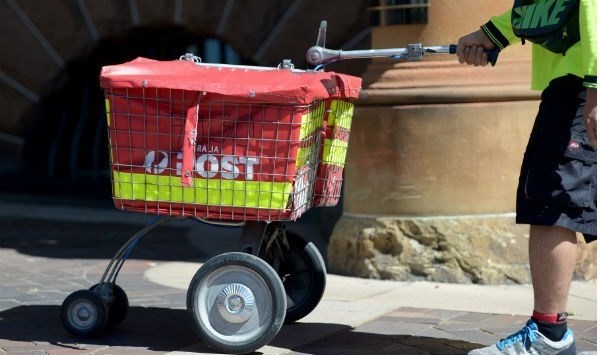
(552, 258)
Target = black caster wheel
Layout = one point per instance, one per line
(116, 300)
(237, 301)
(83, 314)
(303, 274)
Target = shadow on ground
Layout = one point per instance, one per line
(182, 240)
(67, 240)
(357, 343)
(149, 330)
(155, 329)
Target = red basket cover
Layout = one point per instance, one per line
(217, 142)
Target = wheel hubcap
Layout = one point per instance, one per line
(235, 303)
(83, 315)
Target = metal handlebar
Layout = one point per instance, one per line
(319, 55)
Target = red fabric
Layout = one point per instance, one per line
(228, 82)
(141, 123)
(328, 184)
(189, 143)
(169, 118)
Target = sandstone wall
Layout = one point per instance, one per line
(471, 249)
(434, 159)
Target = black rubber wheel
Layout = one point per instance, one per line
(83, 314)
(237, 301)
(303, 273)
(118, 308)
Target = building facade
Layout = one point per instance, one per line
(435, 147)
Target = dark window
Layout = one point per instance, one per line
(397, 12)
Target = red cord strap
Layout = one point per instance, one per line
(189, 142)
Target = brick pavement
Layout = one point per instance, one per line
(417, 331)
(41, 262)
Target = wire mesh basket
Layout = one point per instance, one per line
(335, 136)
(225, 143)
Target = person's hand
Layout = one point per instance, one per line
(589, 115)
(471, 48)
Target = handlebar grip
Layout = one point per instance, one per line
(492, 54)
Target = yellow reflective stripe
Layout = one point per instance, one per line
(334, 152)
(340, 114)
(107, 104)
(305, 155)
(212, 192)
(312, 121)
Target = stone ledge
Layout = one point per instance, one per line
(446, 95)
(489, 249)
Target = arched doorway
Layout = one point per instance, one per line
(48, 94)
(65, 136)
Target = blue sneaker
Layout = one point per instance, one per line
(529, 341)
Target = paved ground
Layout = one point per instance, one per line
(49, 251)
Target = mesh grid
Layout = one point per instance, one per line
(335, 137)
(250, 161)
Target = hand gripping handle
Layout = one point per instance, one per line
(492, 54)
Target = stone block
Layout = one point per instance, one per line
(479, 250)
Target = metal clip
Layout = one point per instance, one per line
(286, 64)
(191, 57)
(414, 51)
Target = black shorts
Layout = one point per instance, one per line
(557, 185)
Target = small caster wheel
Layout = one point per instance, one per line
(116, 299)
(83, 314)
(303, 274)
(237, 301)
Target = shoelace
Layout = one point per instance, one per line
(526, 336)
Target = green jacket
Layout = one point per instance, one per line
(579, 60)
